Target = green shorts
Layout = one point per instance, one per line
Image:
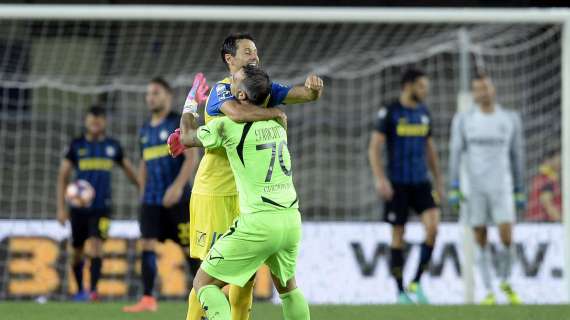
(272, 238)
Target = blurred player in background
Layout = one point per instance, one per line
(268, 229)
(545, 201)
(405, 128)
(214, 204)
(91, 156)
(166, 185)
(490, 140)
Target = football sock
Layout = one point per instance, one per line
(148, 271)
(78, 273)
(241, 300)
(484, 264)
(295, 306)
(214, 303)
(425, 257)
(505, 262)
(95, 270)
(397, 267)
(195, 311)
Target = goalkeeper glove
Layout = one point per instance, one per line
(454, 196)
(175, 147)
(520, 200)
(197, 95)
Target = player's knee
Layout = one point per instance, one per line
(77, 255)
(96, 247)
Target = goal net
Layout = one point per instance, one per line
(52, 70)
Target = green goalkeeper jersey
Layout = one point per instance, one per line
(259, 159)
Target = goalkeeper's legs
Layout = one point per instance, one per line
(505, 256)
(211, 297)
(195, 311)
(295, 306)
(484, 262)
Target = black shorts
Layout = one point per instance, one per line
(158, 222)
(89, 223)
(417, 197)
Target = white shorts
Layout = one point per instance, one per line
(488, 208)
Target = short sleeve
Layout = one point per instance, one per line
(209, 134)
(71, 153)
(382, 121)
(278, 94)
(218, 95)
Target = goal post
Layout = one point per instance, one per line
(335, 42)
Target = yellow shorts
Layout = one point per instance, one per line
(210, 218)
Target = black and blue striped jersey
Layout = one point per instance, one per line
(93, 162)
(406, 131)
(161, 168)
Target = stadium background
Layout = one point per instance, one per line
(50, 71)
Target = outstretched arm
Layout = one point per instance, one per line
(311, 91)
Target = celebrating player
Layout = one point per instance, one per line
(268, 229)
(92, 156)
(214, 203)
(490, 140)
(405, 127)
(164, 213)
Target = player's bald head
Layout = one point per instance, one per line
(238, 50)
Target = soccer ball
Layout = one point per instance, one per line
(79, 194)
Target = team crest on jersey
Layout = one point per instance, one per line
(382, 113)
(222, 92)
(425, 119)
(163, 135)
(82, 152)
(110, 151)
(144, 139)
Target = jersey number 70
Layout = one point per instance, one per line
(275, 149)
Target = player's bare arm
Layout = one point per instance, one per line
(142, 176)
(311, 91)
(175, 190)
(433, 164)
(375, 149)
(65, 169)
(131, 172)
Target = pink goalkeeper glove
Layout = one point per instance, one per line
(198, 94)
(175, 147)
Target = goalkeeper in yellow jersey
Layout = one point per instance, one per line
(214, 202)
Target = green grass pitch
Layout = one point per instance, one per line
(264, 311)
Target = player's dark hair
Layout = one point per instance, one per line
(230, 44)
(256, 84)
(97, 111)
(163, 83)
(411, 75)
